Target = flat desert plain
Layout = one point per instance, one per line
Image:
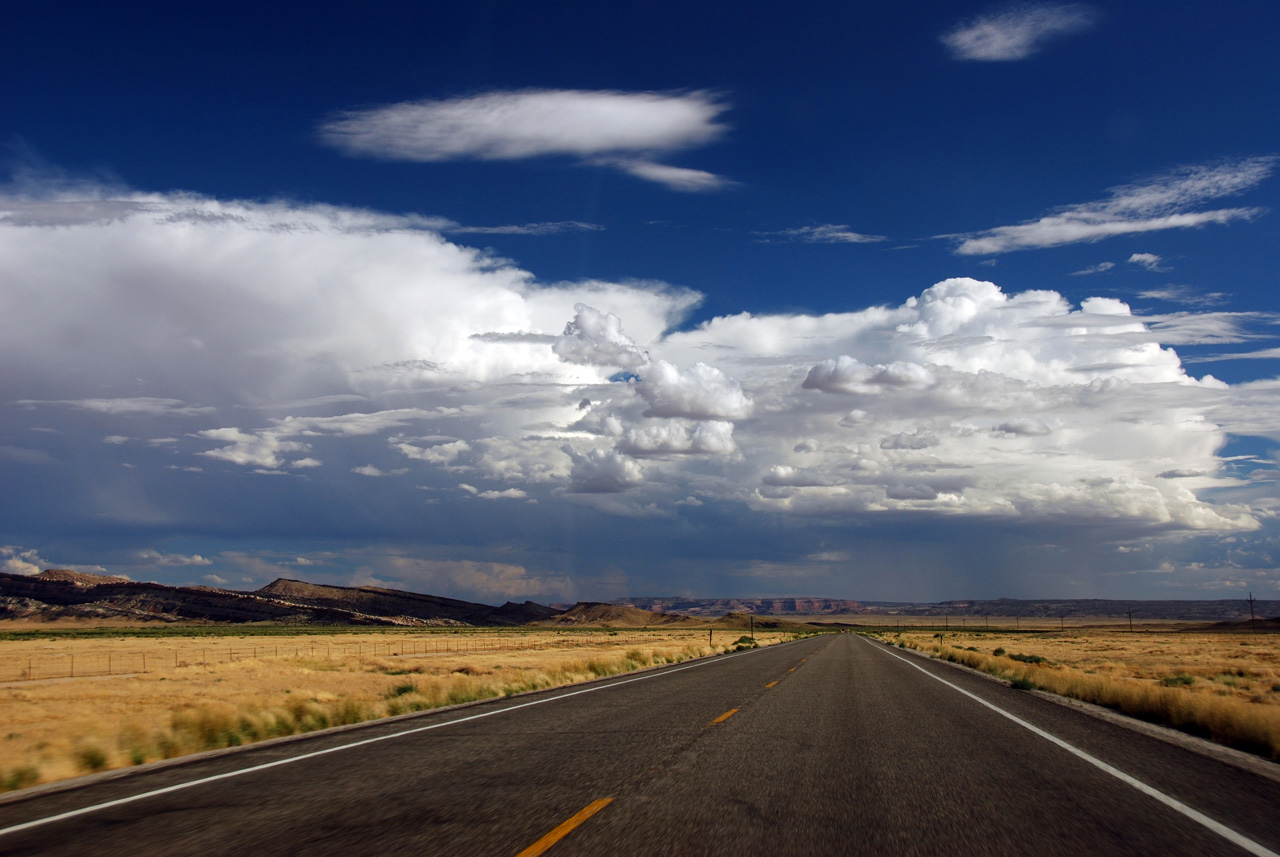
(83, 702)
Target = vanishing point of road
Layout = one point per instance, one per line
(827, 745)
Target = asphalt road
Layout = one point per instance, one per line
(835, 745)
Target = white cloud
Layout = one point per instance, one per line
(136, 406)
(1163, 202)
(603, 472)
(829, 233)
(1017, 34)
(700, 392)
(553, 228)
(596, 338)
(505, 494)
(19, 561)
(1094, 269)
(597, 127)
(848, 375)
(276, 337)
(152, 557)
(678, 437)
(1150, 261)
(675, 178)
(441, 453)
(1184, 295)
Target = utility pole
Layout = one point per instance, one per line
(1252, 624)
(753, 626)
(1130, 612)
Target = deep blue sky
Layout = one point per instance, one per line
(844, 155)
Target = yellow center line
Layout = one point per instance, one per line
(723, 717)
(793, 669)
(565, 828)
(771, 684)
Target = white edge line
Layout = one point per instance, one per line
(27, 825)
(1196, 816)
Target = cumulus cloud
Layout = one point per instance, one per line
(700, 392)
(678, 437)
(921, 438)
(1017, 34)
(1168, 201)
(19, 561)
(599, 471)
(619, 128)
(596, 338)
(370, 470)
(847, 374)
(334, 344)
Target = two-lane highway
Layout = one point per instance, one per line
(830, 745)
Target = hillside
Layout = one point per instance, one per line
(593, 614)
(376, 601)
(58, 594)
(760, 606)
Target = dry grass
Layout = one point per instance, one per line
(1224, 687)
(63, 727)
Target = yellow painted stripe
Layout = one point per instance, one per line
(771, 684)
(793, 669)
(565, 829)
(723, 717)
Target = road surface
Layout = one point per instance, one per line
(828, 745)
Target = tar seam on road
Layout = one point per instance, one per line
(1176, 805)
(723, 717)
(27, 825)
(565, 828)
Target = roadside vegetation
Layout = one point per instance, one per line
(194, 697)
(1224, 687)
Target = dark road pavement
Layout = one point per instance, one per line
(829, 745)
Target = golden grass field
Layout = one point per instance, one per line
(203, 693)
(1225, 687)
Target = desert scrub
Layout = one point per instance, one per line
(1248, 723)
(194, 696)
(20, 778)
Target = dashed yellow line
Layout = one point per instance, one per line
(793, 669)
(565, 828)
(723, 717)
(770, 684)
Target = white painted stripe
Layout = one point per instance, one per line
(229, 774)
(1200, 818)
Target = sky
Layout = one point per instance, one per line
(884, 301)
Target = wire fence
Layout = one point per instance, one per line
(86, 662)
